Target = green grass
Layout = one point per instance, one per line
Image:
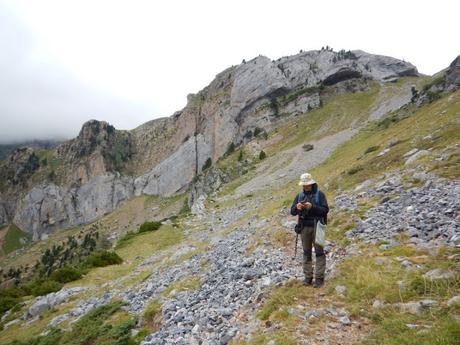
(281, 298)
(99, 326)
(280, 338)
(367, 281)
(145, 227)
(439, 329)
(13, 238)
(152, 316)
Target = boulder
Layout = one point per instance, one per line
(416, 155)
(438, 273)
(39, 307)
(454, 301)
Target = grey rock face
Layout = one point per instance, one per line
(453, 72)
(3, 214)
(177, 171)
(260, 80)
(47, 208)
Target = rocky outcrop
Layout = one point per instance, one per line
(209, 181)
(44, 303)
(3, 214)
(47, 208)
(177, 171)
(20, 166)
(453, 73)
(441, 84)
(98, 148)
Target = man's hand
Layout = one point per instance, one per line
(301, 206)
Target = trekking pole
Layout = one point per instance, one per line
(295, 250)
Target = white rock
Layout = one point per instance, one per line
(438, 273)
(382, 153)
(453, 301)
(40, 306)
(410, 153)
(196, 329)
(416, 156)
(340, 290)
(345, 320)
(378, 304)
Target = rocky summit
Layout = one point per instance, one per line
(179, 231)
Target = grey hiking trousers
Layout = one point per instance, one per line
(308, 239)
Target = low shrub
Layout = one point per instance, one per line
(371, 149)
(307, 147)
(102, 259)
(9, 298)
(354, 170)
(262, 155)
(41, 287)
(149, 226)
(66, 274)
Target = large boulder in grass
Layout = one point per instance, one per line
(44, 303)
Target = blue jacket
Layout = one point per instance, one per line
(319, 209)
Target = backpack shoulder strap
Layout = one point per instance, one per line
(317, 197)
(300, 196)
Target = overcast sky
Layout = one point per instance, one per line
(127, 62)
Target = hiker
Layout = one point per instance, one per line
(310, 205)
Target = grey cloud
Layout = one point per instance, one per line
(40, 100)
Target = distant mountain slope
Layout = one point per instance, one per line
(6, 149)
(86, 177)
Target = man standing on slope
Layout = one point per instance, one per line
(310, 205)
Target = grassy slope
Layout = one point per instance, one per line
(12, 239)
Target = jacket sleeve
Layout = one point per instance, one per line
(322, 209)
(294, 210)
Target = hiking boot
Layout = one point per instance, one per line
(318, 283)
(308, 281)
